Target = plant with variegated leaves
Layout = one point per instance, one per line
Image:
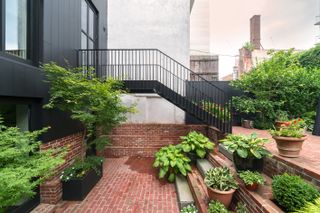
(197, 143)
(171, 161)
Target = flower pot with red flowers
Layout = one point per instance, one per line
(282, 119)
(251, 180)
(290, 138)
(220, 185)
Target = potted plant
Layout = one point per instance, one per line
(290, 138)
(171, 161)
(241, 208)
(251, 180)
(248, 151)
(189, 209)
(195, 145)
(81, 177)
(220, 184)
(282, 118)
(216, 207)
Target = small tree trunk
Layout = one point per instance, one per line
(316, 129)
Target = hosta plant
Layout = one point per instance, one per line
(197, 143)
(241, 208)
(220, 178)
(189, 209)
(310, 207)
(291, 192)
(171, 161)
(246, 146)
(216, 207)
(249, 177)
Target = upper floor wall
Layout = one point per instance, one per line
(160, 24)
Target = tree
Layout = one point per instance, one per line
(23, 166)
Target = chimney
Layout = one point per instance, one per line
(255, 32)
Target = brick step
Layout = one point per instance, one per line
(120, 151)
(198, 189)
(257, 202)
(143, 140)
(184, 194)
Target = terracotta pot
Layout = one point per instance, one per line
(224, 197)
(278, 124)
(288, 146)
(252, 187)
(248, 124)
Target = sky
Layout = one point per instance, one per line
(284, 24)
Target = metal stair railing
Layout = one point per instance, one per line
(154, 65)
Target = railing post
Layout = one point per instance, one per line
(316, 130)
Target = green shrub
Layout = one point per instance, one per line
(241, 208)
(189, 209)
(22, 165)
(291, 192)
(81, 167)
(216, 207)
(197, 143)
(310, 207)
(220, 178)
(249, 177)
(246, 146)
(285, 82)
(172, 161)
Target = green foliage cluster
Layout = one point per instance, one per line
(292, 192)
(23, 166)
(280, 83)
(310, 58)
(81, 167)
(220, 178)
(219, 111)
(241, 208)
(216, 207)
(172, 161)
(246, 146)
(189, 209)
(310, 207)
(294, 129)
(94, 102)
(249, 177)
(197, 143)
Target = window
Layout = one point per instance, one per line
(15, 21)
(15, 115)
(88, 26)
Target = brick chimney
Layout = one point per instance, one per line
(255, 32)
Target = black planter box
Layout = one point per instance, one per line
(251, 163)
(78, 189)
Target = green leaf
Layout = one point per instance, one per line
(209, 146)
(201, 153)
(242, 153)
(171, 177)
(162, 173)
(156, 164)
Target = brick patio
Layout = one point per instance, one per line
(129, 184)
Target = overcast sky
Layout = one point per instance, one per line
(284, 24)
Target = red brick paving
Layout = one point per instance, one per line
(129, 185)
(309, 158)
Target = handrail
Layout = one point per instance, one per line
(210, 103)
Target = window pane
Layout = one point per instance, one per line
(15, 115)
(91, 44)
(91, 23)
(83, 41)
(16, 27)
(84, 12)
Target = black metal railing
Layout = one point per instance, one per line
(205, 101)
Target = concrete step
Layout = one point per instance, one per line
(203, 166)
(185, 197)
